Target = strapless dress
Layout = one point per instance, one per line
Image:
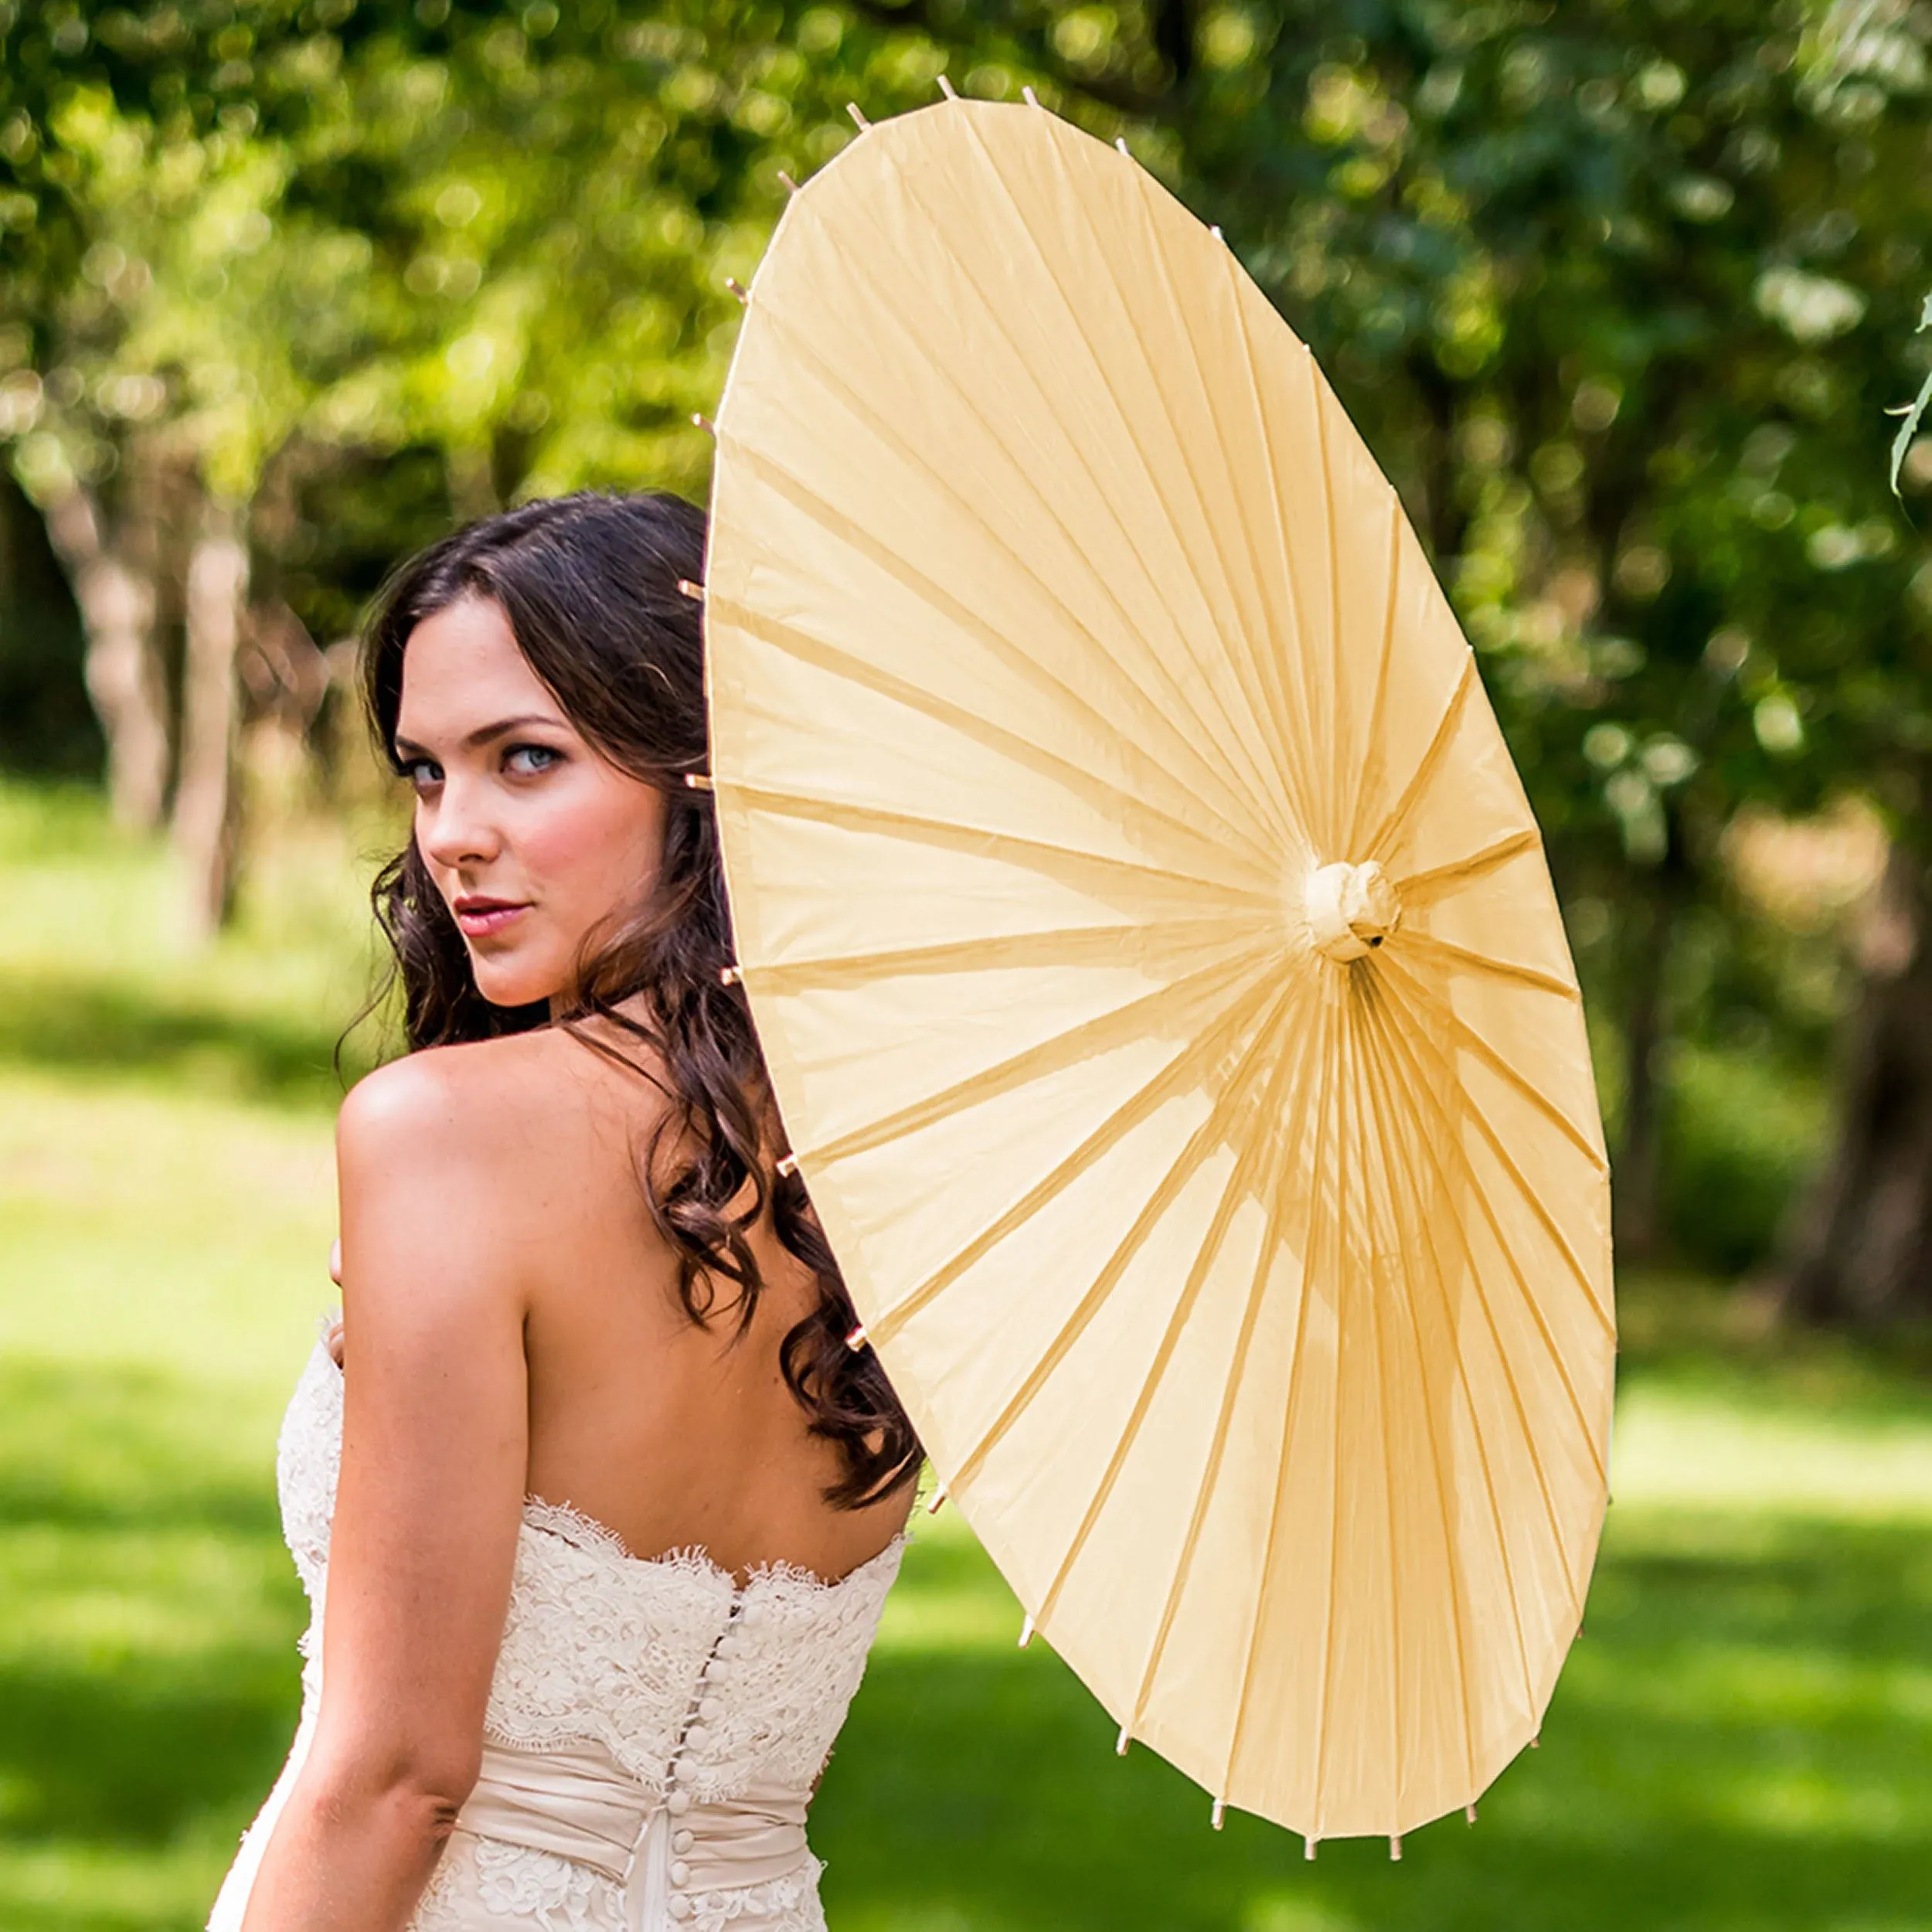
(653, 1732)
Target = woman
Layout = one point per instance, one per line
(616, 1506)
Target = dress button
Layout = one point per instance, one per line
(682, 1841)
(727, 1647)
(710, 1707)
(681, 1907)
(678, 1803)
(717, 1671)
(680, 1872)
(697, 1737)
(684, 1770)
(752, 1614)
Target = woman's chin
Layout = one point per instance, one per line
(505, 984)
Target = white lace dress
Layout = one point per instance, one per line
(653, 1728)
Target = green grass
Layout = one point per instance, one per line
(1742, 1742)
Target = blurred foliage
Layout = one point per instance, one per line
(1619, 290)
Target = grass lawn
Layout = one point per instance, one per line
(1742, 1740)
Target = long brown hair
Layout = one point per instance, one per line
(589, 584)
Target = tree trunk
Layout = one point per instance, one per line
(1860, 1250)
(115, 592)
(207, 799)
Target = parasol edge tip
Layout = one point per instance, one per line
(1121, 1743)
(851, 108)
(1395, 1847)
(946, 88)
(1307, 1846)
(1469, 1812)
(1218, 1816)
(1028, 95)
(1026, 1632)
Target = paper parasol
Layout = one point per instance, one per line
(1159, 970)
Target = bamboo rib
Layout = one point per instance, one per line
(956, 835)
(803, 498)
(1531, 1198)
(1115, 1027)
(1150, 473)
(1311, 1273)
(1209, 841)
(1233, 1385)
(1179, 694)
(1381, 842)
(1241, 1174)
(1419, 1086)
(1375, 758)
(1337, 760)
(1201, 1143)
(1172, 942)
(1417, 889)
(1292, 723)
(1446, 1016)
(1251, 628)
(1204, 1048)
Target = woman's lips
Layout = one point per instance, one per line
(485, 918)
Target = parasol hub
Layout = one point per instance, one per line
(1351, 909)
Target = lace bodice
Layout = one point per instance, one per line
(698, 1691)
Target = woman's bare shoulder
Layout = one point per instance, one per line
(516, 1105)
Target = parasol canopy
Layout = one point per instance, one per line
(1159, 970)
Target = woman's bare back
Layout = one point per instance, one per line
(669, 1434)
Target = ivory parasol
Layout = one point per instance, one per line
(1158, 969)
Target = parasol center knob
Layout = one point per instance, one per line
(1351, 909)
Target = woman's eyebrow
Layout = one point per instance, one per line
(483, 734)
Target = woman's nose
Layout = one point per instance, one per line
(460, 829)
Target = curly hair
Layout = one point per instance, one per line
(590, 585)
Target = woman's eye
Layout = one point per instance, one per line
(422, 771)
(531, 758)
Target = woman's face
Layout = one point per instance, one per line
(533, 836)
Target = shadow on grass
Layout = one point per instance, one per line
(70, 1025)
(1742, 1741)
(1739, 1744)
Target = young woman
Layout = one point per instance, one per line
(595, 1508)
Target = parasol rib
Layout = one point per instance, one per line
(1380, 841)
(1339, 1230)
(1382, 1017)
(1417, 889)
(1150, 471)
(835, 522)
(1338, 734)
(1201, 1143)
(1038, 855)
(1419, 1091)
(1297, 1363)
(1116, 1026)
(1256, 793)
(1252, 630)
(1374, 764)
(1128, 808)
(1297, 720)
(1431, 1003)
(1240, 1176)
(1449, 952)
(1397, 1166)
(1313, 1038)
(1115, 1124)
(1167, 942)
(1503, 1070)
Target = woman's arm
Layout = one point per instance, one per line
(427, 1508)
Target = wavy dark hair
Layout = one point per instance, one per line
(590, 585)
